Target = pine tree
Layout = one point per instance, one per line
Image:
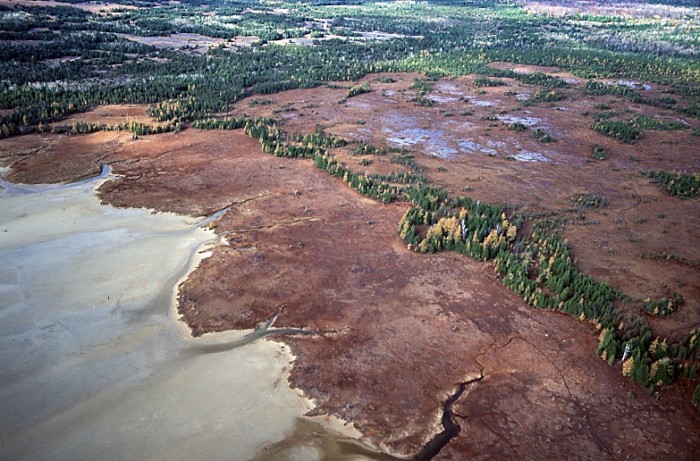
(696, 397)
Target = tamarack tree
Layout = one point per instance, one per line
(538, 266)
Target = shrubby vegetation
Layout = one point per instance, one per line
(549, 96)
(422, 101)
(630, 131)
(62, 61)
(680, 184)
(518, 127)
(599, 152)
(137, 128)
(485, 81)
(467, 226)
(540, 268)
(618, 129)
(663, 102)
(422, 86)
(663, 306)
(588, 201)
(93, 65)
(604, 115)
(356, 90)
(535, 78)
(650, 123)
(543, 136)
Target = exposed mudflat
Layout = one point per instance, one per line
(401, 331)
(94, 364)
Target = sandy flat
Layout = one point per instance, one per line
(93, 366)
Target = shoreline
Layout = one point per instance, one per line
(135, 334)
(342, 432)
(331, 423)
(395, 362)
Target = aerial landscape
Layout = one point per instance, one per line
(349, 230)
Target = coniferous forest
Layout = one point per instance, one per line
(62, 59)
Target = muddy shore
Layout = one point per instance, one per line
(402, 331)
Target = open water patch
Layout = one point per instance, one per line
(631, 85)
(442, 99)
(471, 147)
(480, 102)
(432, 142)
(529, 157)
(527, 121)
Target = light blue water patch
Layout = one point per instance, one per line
(409, 137)
(496, 144)
(527, 121)
(470, 147)
(631, 84)
(432, 141)
(445, 99)
(481, 103)
(443, 152)
(530, 157)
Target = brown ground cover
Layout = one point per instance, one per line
(113, 114)
(643, 242)
(403, 330)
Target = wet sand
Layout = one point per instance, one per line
(94, 364)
